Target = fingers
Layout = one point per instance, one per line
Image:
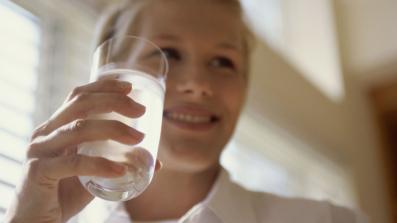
(90, 104)
(80, 131)
(158, 165)
(104, 86)
(95, 98)
(49, 171)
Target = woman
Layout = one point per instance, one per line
(207, 45)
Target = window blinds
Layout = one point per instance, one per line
(19, 55)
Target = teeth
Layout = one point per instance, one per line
(189, 118)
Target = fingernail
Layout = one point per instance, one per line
(124, 85)
(143, 109)
(137, 134)
(137, 105)
(118, 168)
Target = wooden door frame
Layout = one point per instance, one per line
(384, 100)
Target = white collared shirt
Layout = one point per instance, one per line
(227, 202)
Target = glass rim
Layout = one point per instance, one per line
(145, 40)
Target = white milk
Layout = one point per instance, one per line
(140, 158)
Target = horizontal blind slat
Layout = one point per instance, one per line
(15, 19)
(9, 34)
(15, 98)
(12, 146)
(22, 76)
(29, 56)
(6, 194)
(13, 171)
(19, 124)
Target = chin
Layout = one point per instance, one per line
(188, 160)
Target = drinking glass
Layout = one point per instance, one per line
(144, 65)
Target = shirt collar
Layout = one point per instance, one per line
(230, 202)
(226, 200)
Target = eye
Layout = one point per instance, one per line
(171, 53)
(223, 62)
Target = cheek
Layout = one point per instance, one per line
(232, 93)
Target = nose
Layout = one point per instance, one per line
(195, 81)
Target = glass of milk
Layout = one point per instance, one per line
(142, 63)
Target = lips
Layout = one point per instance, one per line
(191, 117)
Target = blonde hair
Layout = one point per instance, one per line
(113, 22)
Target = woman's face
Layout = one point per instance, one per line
(206, 82)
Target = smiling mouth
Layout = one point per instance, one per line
(191, 121)
(190, 118)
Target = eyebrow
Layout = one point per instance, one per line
(223, 45)
(228, 46)
(167, 37)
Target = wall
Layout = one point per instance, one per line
(343, 131)
(369, 34)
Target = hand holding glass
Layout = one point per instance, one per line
(144, 65)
